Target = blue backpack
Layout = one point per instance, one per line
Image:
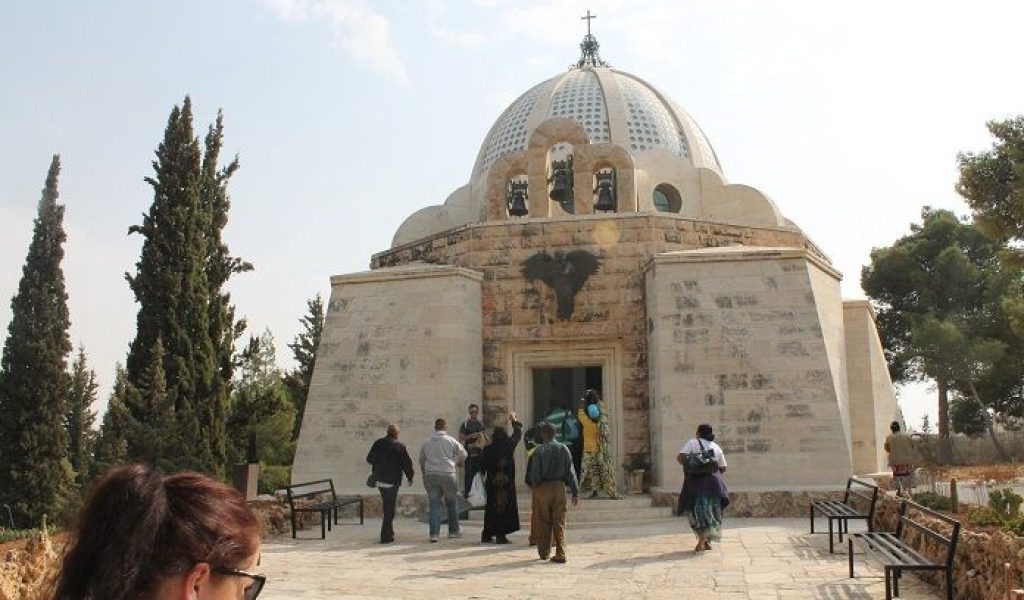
(570, 428)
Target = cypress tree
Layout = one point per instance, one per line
(304, 350)
(179, 283)
(79, 418)
(35, 475)
(112, 442)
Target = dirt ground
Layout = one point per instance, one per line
(997, 473)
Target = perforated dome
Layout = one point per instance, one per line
(612, 106)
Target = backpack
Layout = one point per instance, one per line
(700, 463)
(570, 428)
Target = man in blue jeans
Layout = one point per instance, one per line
(440, 457)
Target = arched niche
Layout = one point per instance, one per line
(548, 135)
(595, 157)
(503, 170)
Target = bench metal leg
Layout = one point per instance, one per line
(831, 550)
(812, 519)
(849, 555)
(361, 509)
(949, 584)
(323, 526)
(896, 582)
(888, 583)
(843, 524)
(293, 525)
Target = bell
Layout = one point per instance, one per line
(605, 192)
(561, 182)
(516, 198)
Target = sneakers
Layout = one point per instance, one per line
(433, 539)
(558, 559)
(455, 534)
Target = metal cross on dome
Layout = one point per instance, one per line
(589, 47)
(587, 19)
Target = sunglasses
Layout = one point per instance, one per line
(252, 590)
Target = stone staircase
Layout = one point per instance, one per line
(627, 511)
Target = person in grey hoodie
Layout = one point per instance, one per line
(440, 457)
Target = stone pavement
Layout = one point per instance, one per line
(758, 558)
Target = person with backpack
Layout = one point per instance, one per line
(704, 496)
(598, 472)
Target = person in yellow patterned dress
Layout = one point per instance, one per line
(598, 472)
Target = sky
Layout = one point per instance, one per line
(349, 115)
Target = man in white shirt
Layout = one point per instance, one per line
(440, 457)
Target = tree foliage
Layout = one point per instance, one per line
(79, 419)
(112, 441)
(939, 293)
(183, 307)
(992, 183)
(262, 414)
(304, 349)
(35, 475)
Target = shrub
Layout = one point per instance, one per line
(10, 535)
(933, 501)
(1015, 526)
(273, 478)
(984, 516)
(1006, 502)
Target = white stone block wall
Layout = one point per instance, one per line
(872, 397)
(751, 341)
(399, 345)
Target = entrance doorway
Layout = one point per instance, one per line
(561, 386)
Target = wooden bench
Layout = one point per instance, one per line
(897, 555)
(325, 502)
(856, 504)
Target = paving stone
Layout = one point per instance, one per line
(758, 558)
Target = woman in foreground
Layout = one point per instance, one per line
(176, 537)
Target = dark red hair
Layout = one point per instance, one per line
(138, 527)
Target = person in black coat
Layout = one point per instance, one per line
(501, 513)
(389, 459)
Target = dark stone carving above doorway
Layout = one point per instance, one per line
(565, 273)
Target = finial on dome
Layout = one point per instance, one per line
(589, 47)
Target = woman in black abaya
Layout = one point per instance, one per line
(501, 513)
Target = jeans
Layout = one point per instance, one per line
(388, 497)
(442, 488)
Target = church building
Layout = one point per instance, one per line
(599, 244)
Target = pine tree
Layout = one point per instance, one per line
(35, 474)
(179, 283)
(112, 442)
(304, 349)
(79, 418)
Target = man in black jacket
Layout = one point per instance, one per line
(389, 459)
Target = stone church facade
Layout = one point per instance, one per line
(598, 244)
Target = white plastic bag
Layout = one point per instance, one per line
(477, 493)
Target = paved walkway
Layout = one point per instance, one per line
(758, 558)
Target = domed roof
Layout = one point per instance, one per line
(611, 105)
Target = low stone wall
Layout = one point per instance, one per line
(759, 505)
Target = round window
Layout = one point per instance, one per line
(666, 199)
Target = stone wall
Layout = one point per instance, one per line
(751, 341)
(872, 398)
(399, 345)
(610, 306)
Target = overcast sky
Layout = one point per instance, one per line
(349, 115)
